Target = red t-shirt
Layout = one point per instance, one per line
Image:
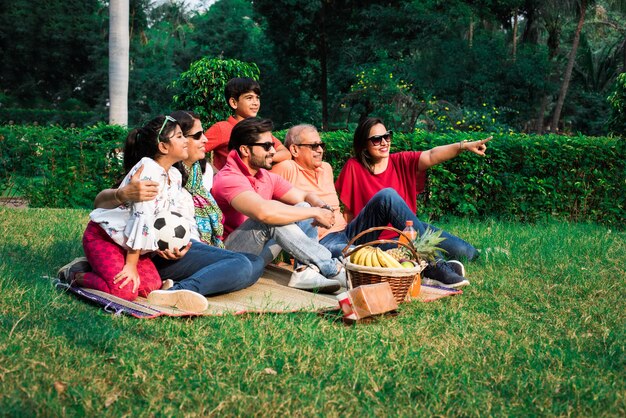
(218, 136)
(234, 179)
(356, 185)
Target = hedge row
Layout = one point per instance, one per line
(56, 167)
(67, 118)
(523, 177)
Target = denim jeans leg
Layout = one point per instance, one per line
(387, 207)
(210, 270)
(306, 225)
(252, 236)
(335, 242)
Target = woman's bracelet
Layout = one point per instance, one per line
(117, 198)
(462, 145)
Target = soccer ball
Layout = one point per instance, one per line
(172, 231)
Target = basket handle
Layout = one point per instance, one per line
(409, 244)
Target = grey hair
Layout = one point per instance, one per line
(293, 134)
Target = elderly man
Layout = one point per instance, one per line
(308, 172)
(261, 209)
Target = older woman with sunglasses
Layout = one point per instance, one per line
(205, 266)
(374, 168)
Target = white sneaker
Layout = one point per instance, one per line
(309, 278)
(182, 299)
(341, 277)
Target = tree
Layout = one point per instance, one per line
(202, 87)
(48, 51)
(617, 101)
(554, 127)
(119, 45)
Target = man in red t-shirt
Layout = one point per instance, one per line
(261, 210)
(243, 95)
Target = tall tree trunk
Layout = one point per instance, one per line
(119, 45)
(324, 68)
(515, 23)
(568, 70)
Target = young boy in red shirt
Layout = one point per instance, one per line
(244, 98)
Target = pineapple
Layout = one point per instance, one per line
(400, 253)
(425, 246)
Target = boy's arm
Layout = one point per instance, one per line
(282, 153)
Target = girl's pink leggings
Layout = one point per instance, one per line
(107, 259)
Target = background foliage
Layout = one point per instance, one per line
(523, 177)
(56, 167)
(202, 87)
(329, 62)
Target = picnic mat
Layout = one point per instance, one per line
(269, 295)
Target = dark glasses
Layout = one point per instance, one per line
(167, 118)
(266, 145)
(377, 139)
(314, 146)
(196, 136)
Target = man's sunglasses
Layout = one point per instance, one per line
(266, 145)
(376, 140)
(313, 146)
(196, 136)
(167, 118)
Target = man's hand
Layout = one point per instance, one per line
(324, 218)
(176, 254)
(138, 190)
(477, 147)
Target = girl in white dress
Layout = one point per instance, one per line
(118, 242)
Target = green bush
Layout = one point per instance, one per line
(202, 87)
(523, 177)
(56, 167)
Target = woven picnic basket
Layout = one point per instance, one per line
(400, 279)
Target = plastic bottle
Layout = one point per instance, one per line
(409, 231)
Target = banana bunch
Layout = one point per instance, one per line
(373, 257)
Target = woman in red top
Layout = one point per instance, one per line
(374, 168)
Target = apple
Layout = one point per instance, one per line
(407, 264)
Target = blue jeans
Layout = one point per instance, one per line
(210, 270)
(387, 207)
(267, 240)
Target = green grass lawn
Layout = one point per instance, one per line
(540, 332)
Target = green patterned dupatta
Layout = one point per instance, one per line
(208, 215)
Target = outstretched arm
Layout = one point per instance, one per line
(447, 152)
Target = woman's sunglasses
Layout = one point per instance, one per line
(266, 145)
(376, 140)
(196, 136)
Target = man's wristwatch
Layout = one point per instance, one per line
(327, 206)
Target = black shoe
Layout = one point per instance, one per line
(78, 265)
(456, 267)
(440, 274)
